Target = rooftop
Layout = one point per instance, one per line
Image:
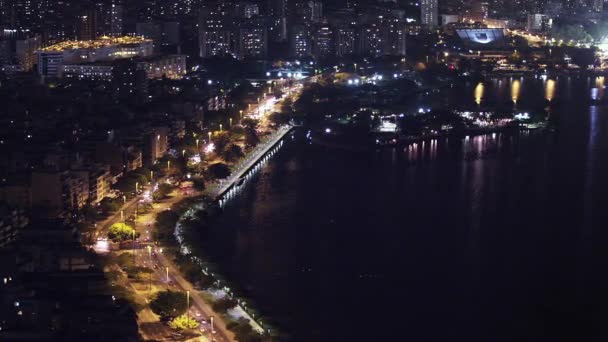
(95, 44)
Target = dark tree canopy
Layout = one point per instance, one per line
(169, 304)
(165, 225)
(224, 304)
(218, 171)
(232, 153)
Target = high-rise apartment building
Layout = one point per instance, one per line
(429, 12)
(277, 13)
(394, 37)
(116, 20)
(345, 41)
(87, 25)
(246, 10)
(216, 25)
(371, 40)
(252, 40)
(316, 11)
(299, 42)
(322, 41)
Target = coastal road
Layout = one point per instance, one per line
(175, 282)
(147, 258)
(259, 111)
(127, 208)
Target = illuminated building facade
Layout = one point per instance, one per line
(216, 27)
(371, 40)
(299, 42)
(429, 12)
(252, 41)
(323, 41)
(50, 59)
(481, 37)
(345, 41)
(538, 22)
(171, 67)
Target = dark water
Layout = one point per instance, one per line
(491, 238)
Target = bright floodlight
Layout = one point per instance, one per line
(210, 148)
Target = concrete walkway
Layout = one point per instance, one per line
(248, 162)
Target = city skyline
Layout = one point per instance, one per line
(273, 170)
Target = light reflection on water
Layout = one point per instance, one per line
(479, 93)
(550, 90)
(515, 87)
(526, 93)
(458, 233)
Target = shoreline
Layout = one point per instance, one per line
(249, 163)
(218, 197)
(405, 142)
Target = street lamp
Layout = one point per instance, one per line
(133, 245)
(241, 112)
(230, 122)
(183, 153)
(220, 127)
(197, 144)
(136, 187)
(150, 256)
(124, 199)
(167, 270)
(188, 307)
(151, 176)
(168, 165)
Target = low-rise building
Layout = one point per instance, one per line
(169, 66)
(99, 180)
(152, 141)
(56, 192)
(101, 71)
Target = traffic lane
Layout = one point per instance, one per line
(221, 332)
(196, 310)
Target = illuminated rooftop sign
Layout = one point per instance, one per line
(484, 36)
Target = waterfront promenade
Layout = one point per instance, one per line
(249, 161)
